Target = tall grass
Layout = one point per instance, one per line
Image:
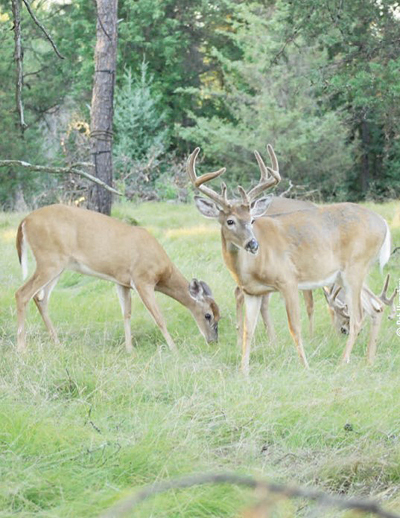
(83, 423)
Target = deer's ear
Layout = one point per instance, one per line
(195, 289)
(260, 207)
(206, 207)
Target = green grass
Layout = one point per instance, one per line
(82, 424)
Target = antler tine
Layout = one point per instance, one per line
(274, 161)
(331, 294)
(383, 296)
(198, 181)
(337, 305)
(224, 193)
(266, 181)
(243, 194)
(335, 292)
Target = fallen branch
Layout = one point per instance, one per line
(320, 497)
(73, 169)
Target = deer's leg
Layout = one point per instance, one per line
(291, 297)
(41, 300)
(124, 297)
(376, 322)
(239, 297)
(252, 309)
(39, 280)
(309, 301)
(353, 286)
(269, 327)
(147, 295)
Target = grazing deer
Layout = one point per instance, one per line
(306, 249)
(68, 238)
(279, 205)
(372, 305)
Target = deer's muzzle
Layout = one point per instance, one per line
(252, 246)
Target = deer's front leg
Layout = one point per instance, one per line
(269, 326)
(124, 297)
(291, 297)
(309, 301)
(252, 309)
(353, 299)
(239, 297)
(376, 322)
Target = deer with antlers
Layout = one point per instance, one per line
(305, 249)
(373, 306)
(279, 205)
(68, 238)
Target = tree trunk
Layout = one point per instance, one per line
(102, 102)
(365, 164)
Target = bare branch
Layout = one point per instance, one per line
(322, 498)
(59, 170)
(42, 29)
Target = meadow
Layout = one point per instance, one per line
(83, 424)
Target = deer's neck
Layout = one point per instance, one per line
(230, 254)
(176, 287)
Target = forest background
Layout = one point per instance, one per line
(317, 79)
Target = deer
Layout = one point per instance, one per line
(63, 237)
(279, 204)
(372, 305)
(305, 250)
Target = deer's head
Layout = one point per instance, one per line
(236, 217)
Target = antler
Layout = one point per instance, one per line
(198, 181)
(337, 305)
(266, 181)
(384, 298)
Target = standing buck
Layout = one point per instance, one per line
(67, 238)
(306, 249)
(279, 205)
(372, 305)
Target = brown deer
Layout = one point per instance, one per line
(306, 249)
(372, 305)
(68, 238)
(279, 205)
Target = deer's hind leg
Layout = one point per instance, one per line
(41, 300)
(37, 285)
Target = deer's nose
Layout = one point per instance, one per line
(252, 246)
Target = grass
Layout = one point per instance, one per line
(82, 424)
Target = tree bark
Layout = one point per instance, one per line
(102, 102)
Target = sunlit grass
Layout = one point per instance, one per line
(83, 423)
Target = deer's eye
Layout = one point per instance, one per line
(230, 222)
(252, 221)
(207, 316)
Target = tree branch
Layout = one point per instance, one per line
(322, 498)
(42, 28)
(60, 170)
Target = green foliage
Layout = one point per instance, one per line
(317, 79)
(140, 133)
(276, 103)
(83, 424)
